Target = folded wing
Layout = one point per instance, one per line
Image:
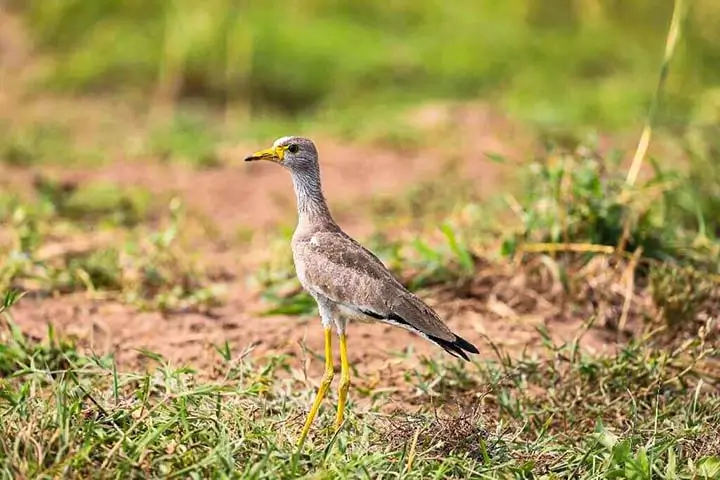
(335, 266)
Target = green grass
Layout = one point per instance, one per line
(588, 64)
(43, 143)
(222, 71)
(96, 203)
(639, 413)
(578, 196)
(193, 136)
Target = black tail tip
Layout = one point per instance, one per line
(457, 348)
(465, 345)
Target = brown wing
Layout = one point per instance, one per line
(337, 267)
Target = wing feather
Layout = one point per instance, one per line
(337, 267)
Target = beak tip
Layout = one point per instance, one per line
(249, 159)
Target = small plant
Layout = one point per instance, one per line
(20, 355)
(579, 198)
(93, 270)
(622, 460)
(157, 274)
(449, 263)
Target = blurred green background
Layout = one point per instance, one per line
(551, 63)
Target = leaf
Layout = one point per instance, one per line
(604, 436)
(426, 252)
(637, 468)
(495, 157)
(622, 453)
(671, 467)
(461, 252)
(10, 299)
(509, 247)
(709, 467)
(642, 459)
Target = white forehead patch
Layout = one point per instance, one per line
(281, 140)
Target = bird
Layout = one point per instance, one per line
(347, 281)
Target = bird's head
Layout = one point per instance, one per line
(298, 154)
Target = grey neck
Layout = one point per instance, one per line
(311, 203)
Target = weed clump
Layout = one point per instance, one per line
(150, 270)
(94, 203)
(579, 197)
(624, 256)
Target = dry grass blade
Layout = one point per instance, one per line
(671, 41)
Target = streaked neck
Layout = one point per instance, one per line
(311, 203)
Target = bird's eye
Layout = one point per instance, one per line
(293, 148)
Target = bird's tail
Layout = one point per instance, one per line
(456, 348)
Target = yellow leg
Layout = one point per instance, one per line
(344, 381)
(324, 386)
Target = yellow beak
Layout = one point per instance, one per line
(273, 154)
